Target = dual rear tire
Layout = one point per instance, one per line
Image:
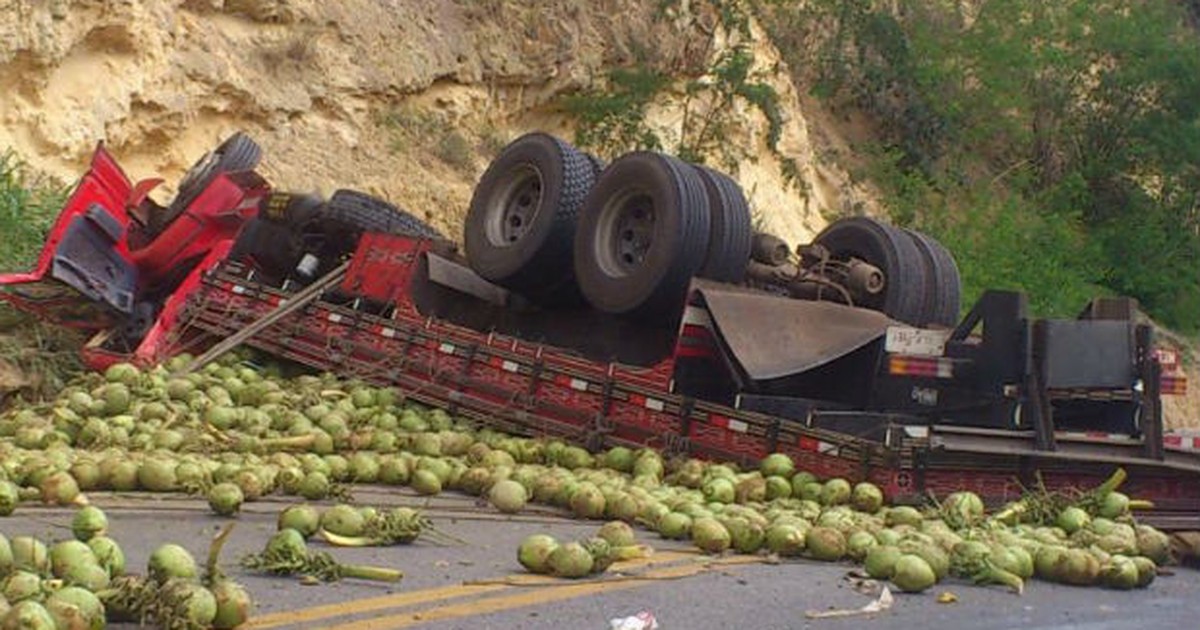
(559, 226)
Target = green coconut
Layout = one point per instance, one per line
(1046, 562)
(59, 488)
(617, 533)
(859, 544)
(866, 497)
(826, 543)
(89, 575)
(619, 458)
(534, 552)
(777, 464)
(587, 501)
(89, 522)
(6, 555)
(76, 608)
(108, 554)
(835, 492)
(1147, 570)
(1072, 519)
(304, 518)
(234, 605)
(1121, 573)
(508, 496)
(675, 526)
(426, 482)
(1153, 544)
(720, 490)
(778, 488)
(1078, 567)
(171, 561)
(745, 536)
(912, 574)
(195, 603)
(21, 585)
(68, 553)
(225, 499)
(801, 479)
(570, 560)
(1115, 504)
(29, 554)
(880, 561)
(9, 497)
(962, 509)
(28, 615)
(785, 539)
(344, 520)
(903, 515)
(710, 535)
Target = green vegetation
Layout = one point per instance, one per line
(28, 206)
(1054, 146)
(611, 117)
(414, 131)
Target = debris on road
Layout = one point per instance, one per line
(642, 621)
(879, 604)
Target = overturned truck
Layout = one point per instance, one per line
(629, 303)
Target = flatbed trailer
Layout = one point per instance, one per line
(385, 332)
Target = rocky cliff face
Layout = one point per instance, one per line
(408, 99)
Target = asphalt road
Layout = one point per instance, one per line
(479, 585)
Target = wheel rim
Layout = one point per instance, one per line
(514, 208)
(624, 233)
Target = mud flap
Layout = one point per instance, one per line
(87, 260)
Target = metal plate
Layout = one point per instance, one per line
(771, 336)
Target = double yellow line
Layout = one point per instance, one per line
(548, 590)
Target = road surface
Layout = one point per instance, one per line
(479, 585)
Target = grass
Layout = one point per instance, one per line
(28, 205)
(35, 359)
(414, 130)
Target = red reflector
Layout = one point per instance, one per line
(1173, 385)
(933, 367)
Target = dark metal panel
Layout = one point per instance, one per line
(1087, 353)
(773, 337)
(87, 259)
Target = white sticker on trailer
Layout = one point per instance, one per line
(579, 384)
(915, 341)
(509, 366)
(446, 348)
(738, 425)
(654, 404)
(335, 317)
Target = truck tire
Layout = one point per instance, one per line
(943, 292)
(730, 233)
(237, 153)
(598, 164)
(521, 223)
(643, 233)
(893, 252)
(272, 247)
(356, 212)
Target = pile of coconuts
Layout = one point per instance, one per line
(80, 583)
(615, 540)
(236, 432)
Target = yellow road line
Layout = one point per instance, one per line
(500, 603)
(412, 598)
